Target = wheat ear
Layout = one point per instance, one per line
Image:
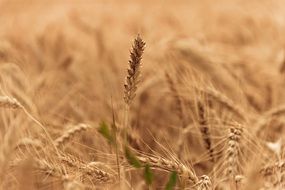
(204, 129)
(70, 133)
(177, 98)
(204, 183)
(134, 72)
(233, 151)
(99, 175)
(169, 166)
(270, 169)
(89, 171)
(276, 172)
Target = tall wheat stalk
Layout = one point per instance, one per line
(130, 88)
(132, 78)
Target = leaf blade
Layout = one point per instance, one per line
(172, 181)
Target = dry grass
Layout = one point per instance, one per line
(142, 95)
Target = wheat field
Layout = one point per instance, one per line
(109, 94)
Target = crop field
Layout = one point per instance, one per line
(140, 94)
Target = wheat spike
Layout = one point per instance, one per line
(204, 129)
(134, 72)
(168, 165)
(177, 98)
(204, 183)
(99, 175)
(69, 133)
(232, 151)
(270, 169)
(274, 174)
(89, 171)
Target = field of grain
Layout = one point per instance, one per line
(121, 94)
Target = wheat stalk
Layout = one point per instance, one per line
(132, 80)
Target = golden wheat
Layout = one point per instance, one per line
(209, 113)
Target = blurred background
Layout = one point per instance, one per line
(64, 43)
